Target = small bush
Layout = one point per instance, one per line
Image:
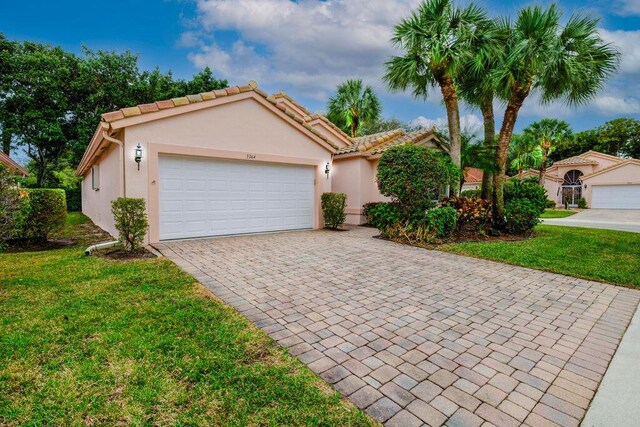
(526, 189)
(414, 177)
(582, 203)
(130, 216)
(333, 209)
(382, 215)
(551, 204)
(521, 216)
(471, 212)
(471, 193)
(442, 221)
(44, 211)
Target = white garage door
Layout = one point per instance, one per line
(616, 196)
(203, 197)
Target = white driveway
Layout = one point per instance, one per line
(610, 219)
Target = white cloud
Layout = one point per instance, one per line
(309, 43)
(628, 43)
(469, 123)
(628, 7)
(612, 105)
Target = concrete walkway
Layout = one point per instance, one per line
(610, 219)
(418, 337)
(617, 402)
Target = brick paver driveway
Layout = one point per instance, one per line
(416, 336)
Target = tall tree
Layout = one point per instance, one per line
(353, 106)
(435, 40)
(546, 134)
(7, 71)
(524, 153)
(620, 137)
(569, 64)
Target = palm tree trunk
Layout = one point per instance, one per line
(543, 166)
(448, 90)
(489, 135)
(508, 123)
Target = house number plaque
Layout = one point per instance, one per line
(251, 156)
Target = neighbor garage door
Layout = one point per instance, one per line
(615, 196)
(202, 197)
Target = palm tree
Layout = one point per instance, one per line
(435, 39)
(569, 64)
(525, 153)
(546, 133)
(352, 106)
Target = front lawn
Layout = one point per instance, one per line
(603, 255)
(557, 213)
(87, 341)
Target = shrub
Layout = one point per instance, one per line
(471, 193)
(471, 211)
(333, 209)
(74, 199)
(414, 177)
(551, 204)
(130, 216)
(44, 211)
(382, 215)
(521, 216)
(582, 203)
(442, 221)
(526, 189)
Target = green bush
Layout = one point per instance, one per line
(442, 221)
(521, 216)
(333, 209)
(551, 204)
(44, 211)
(74, 199)
(414, 177)
(515, 189)
(381, 215)
(471, 193)
(130, 216)
(582, 203)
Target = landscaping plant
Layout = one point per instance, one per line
(333, 209)
(516, 189)
(44, 211)
(130, 216)
(471, 212)
(442, 221)
(582, 203)
(382, 214)
(522, 216)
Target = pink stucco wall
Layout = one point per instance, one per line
(234, 130)
(96, 204)
(628, 174)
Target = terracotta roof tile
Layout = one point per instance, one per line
(207, 96)
(114, 115)
(232, 90)
(220, 92)
(194, 98)
(473, 175)
(183, 100)
(161, 105)
(12, 164)
(407, 138)
(148, 108)
(368, 142)
(576, 160)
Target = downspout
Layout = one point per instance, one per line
(123, 187)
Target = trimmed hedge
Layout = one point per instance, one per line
(442, 221)
(515, 189)
(333, 209)
(522, 216)
(382, 214)
(44, 211)
(130, 215)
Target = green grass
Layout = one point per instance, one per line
(603, 255)
(87, 340)
(557, 213)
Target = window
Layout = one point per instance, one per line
(95, 177)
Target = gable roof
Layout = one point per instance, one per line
(473, 175)
(575, 160)
(129, 116)
(12, 164)
(377, 143)
(624, 162)
(599, 154)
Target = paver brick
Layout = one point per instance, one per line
(447, 330)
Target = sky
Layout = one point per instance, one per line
(307, 47)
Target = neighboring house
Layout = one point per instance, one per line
(231, 161)
(604, 181)
(12, 165)
(472, 179)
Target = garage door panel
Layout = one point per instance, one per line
(615, 196)
(210, 197)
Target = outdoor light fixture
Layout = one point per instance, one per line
(138, 157)
(327, 168)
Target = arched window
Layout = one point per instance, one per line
(573, 177)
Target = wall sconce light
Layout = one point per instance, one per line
(585, 186)
(138, 157)
(327, 168)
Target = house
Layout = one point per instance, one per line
(12, 165)
(604, 181)
(230, 161)
(472, 179)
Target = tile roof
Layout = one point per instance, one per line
(473, 175)
(367, 142)
(576, 160)
(12, 164)
(623, 162)
(206, 96)
(411, 137)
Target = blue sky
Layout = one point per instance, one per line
(304, 47)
